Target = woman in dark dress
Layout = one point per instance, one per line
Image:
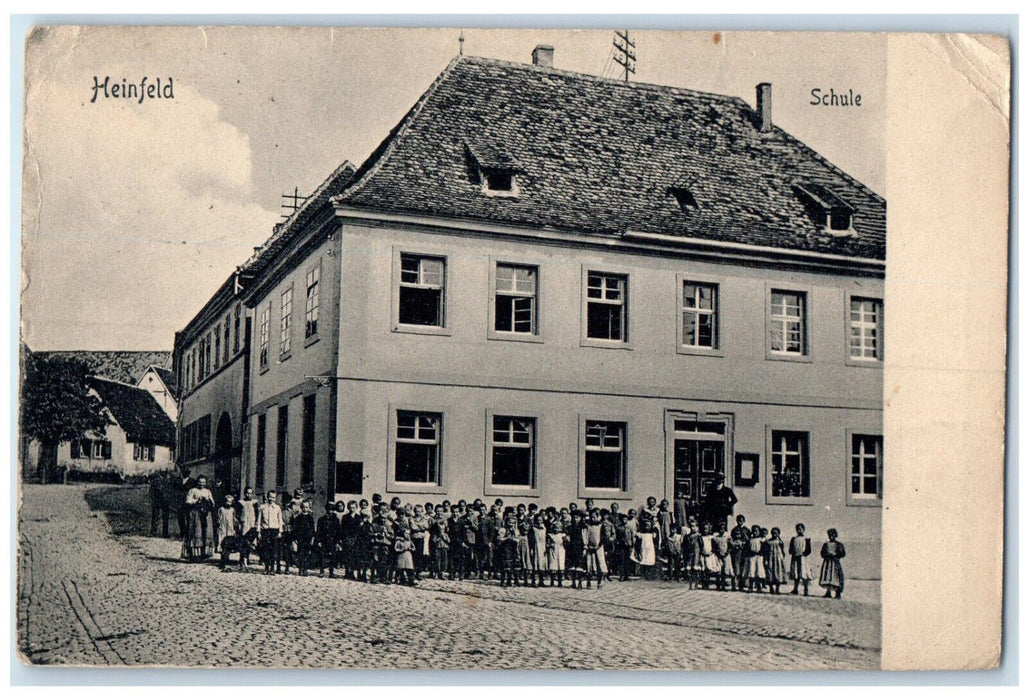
(831, 576)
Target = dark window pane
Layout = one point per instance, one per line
(603, 470)
(512, 466)
(499, 181)
(504, 315)
(420, 307)
(604, 321)
(416, 463)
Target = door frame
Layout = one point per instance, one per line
(674, 414)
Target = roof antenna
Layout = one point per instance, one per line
(297, 200)
(460, 40)
(626, 47)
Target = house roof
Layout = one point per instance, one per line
(136, 411)
(120, 365)
(596, 155)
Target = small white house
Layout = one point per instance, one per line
(139, 440)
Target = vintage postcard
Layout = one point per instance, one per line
(511, 349)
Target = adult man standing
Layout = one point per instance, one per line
(720, 504)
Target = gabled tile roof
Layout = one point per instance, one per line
(599, 156)
(136, 411)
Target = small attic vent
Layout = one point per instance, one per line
(687, 202)
(827, 208)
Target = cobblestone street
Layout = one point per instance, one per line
(93, 589)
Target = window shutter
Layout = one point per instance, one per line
(87, 449)
(106, 447)
(74, 449)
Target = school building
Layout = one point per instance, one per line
(547, 286)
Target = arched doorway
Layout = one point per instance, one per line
(223, 455)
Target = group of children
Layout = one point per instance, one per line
(522, 545)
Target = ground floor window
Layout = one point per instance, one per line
(791, 477)
(90, 449)
(196, 439)
(307, 442)
(142, 452)
(605, 461)
(282, 447)
(513, 448)
(262, 435)
(417, 453)
(866, 466)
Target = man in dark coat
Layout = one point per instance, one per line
(720, 504)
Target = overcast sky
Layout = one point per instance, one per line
(134, 214)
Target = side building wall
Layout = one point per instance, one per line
(285, 386)
(210, 426)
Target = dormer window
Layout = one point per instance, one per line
(827, 208)
(494, 170)
(498, 181)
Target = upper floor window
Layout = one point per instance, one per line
(699, 315)
(286, 321)
(217, 346)
(421, 293)
(311, 310)
(417, 452)
(264, 335)
(515, 301)
(791, 470)
(513, 450)
(865, 329)
(225, 343)
(606, 308)
(605, 455)
(236, 329)
(787, 323)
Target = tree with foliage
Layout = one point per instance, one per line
(57, 406)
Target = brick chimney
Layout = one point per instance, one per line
(764, 106)
(543, 56)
